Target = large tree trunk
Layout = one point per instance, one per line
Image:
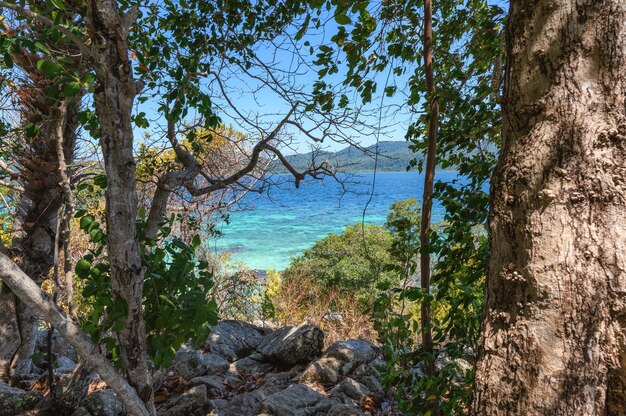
(35, 222)
(113, 100)
(554, 329)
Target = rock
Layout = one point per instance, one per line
(350, 389)
(81, 411)
(189, 363)
(60, 347)
(296, 400)
(103, 403)
(214, 384)
(249, 365)
(248, 404)
(338, 361)
(344, 410)
(72, 389)
(64, 365)
(220, 407)
(233, 339)
(191, 403)
(376, 389)
(245, 404)
(13, 401)
(289, 346)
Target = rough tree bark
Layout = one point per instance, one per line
(554, 330)
(34, 226)
(113, 99)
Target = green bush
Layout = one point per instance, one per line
(351, 262)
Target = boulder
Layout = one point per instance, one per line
(248, 404)
(220, 407)
(103, 403)
(193, 402)
(60, 347)
(234, 339)
(214, 384)
(13, 400)
(250, 365)
(344, 410)
(373, 384)
(64, 365)
(289, 345)
(339, 360)
(189, 363)
(245, 404)
(296, 400)
(350, 391)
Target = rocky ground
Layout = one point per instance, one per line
(241, 370)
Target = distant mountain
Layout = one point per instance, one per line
(393, 156)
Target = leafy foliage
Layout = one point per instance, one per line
(175, 296)
(351, 262)
(468, 54)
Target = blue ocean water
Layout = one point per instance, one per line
(287, 221)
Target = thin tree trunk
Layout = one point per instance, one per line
(113, 100)
(554, 335)
(429, 178)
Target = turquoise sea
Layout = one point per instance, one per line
(287, 221)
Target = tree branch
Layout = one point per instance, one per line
(29, 293)
(85, 50)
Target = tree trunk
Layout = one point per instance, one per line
(554, 332)
(35, 222)
(113, 100)
(44, 308)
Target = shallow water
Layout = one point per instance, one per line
(291, 220)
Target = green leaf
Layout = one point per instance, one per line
(71, 89)
(100, 180)
(58, 4)
(82, 268)
(49, 69)
(86, 221)
(166, 299)
(8, 61)
(342, 19)
(43, 48)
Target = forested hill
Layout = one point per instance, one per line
(393, 156)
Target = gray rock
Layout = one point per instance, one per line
(234, 339)
(376, 389)
(220, 407)
(13, 401)
(248, 404)
(249, 365)
(339, 361)
(245, 404)
(296, 400)
(214, 384)
(81, 411)
(60, 347)
(350, 389)
(189, 363)
(344, 410)
(191, 403)
(64, 365)
(289, 345)
(103, 403)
